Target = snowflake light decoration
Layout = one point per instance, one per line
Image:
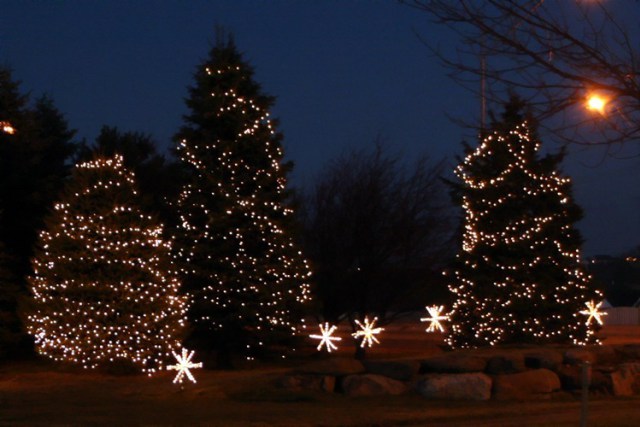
(435, 317)
(593, 313)
(326, 338)
(367, 332)
(183, 366)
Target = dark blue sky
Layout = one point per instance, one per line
(343, 73)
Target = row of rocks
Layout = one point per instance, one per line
(535, 373)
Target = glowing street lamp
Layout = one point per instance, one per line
(596, 102)
(7, 128)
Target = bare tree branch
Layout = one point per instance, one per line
(378, 232)
(554, 53)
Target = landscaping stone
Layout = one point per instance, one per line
(599, 378)
(626, 379)
(630, 351)
(600, 381)
(469, 386)
(307, 382)
(542, 358)
(510, 363)
(453, 364)
(605, 354)
(337, 366)
(398, 370)
(578, 357)
(536, 383)
(570, 377)
(371, 385)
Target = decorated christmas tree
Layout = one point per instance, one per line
(104, 286)
(247, 280)
(518, 277)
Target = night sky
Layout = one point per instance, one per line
(343, 72)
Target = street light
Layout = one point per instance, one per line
(596, 102)
(7, 128)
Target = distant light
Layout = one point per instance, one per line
(7, 128)
(596, 102)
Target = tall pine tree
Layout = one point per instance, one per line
(246, 279)
(11, 334)
(35, 148)
(104, 286)
(518, 277)
(34, 163)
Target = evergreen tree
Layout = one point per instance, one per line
(104, 287)
(11, 335)
(519, 276)
(34, 163)
(35, 147)
(246, 278)
(13, 115)
(158, 178)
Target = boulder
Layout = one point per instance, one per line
(605, 354)
(600, 381)
(630, 351)
(543, 358)
(453, 364)
(398, 370)
(337, 366)
(536, 383)
(469, 386)
(578, 356)
(626, 379)
(371, 385)
(570, 377)
(307, 382)
(505, 364)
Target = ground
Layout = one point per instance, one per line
(43, 393)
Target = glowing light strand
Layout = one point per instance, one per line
(487, 320)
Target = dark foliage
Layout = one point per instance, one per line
(158, 177)
(34, 163)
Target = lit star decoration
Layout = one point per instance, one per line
(593, 312)
(518, 276)
(434, 319)
(326, 338)
(104, 285)
(368, 332)
(183, 366)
